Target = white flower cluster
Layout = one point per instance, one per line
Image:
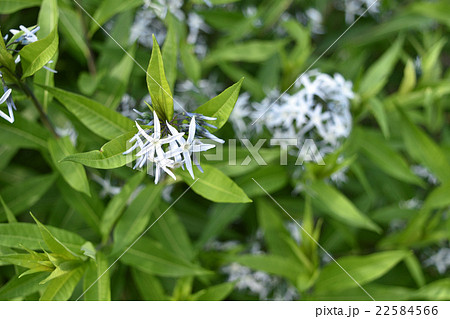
(146, 23)
(167, 149)
(440, 260)
(357, 8)
(6, 97)
(149, 20)
(424, 173)
(319, 110)
(259, 283)
(25, 37)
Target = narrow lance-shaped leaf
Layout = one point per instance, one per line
(388, 160)
(19, 235)
(9, 215)
(424, 150)
(221, 106)
(363, 269)
(340, 207)
(37, 54)
(47, 20)
(136, 217)
(100, 290)
(61, 288)
(215, 185)
(53, 243)
(377, 75)
(150, 257)
(170, 51)
(118, 203)
(158, 87)
(31, 191)
(73, 173)
(109, 156)
(98, 118)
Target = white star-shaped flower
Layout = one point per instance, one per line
(190, 146)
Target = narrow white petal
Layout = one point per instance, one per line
(156, 126)
(188, 162)
(5, 96)
(191, 131)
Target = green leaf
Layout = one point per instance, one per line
(221, 106)
(170, 51)
(98, 118)
(340, 207)
(11, 6)
(271, 223)
(118, 203)
(431, 62)
(9, 214)
(149, 286)
(21, 287)
(214, 293)
(108, 9)
(90, 208)
(19, 235)
(435, 10)
(48, 17)
(158, 87)
(6, 59)
(55, 245)
(73, 173)
(271, 264)
(386, 159)
(191, 64)
(31, 191)
(271, 178)
(377, 75)
(47, 20)
(37, 54)
(23, 133)
(150, 257)
(72, 30)
(215, 186)
(438, 198)
(415, 269)
(252, 51)
(364, 269)
(437, 290)
(109, 156)
(409, 78)
(170, 232)
(221, 215)
(424, 150)
(378, 110)
(89, 250)
(136, 217)
(61, 288)
(100, 291)
(114, 84)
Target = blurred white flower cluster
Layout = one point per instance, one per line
(319, 110)
(150, 18)
(356, 8)
(163, 147)
(440, 260)
(146, 23)
(260, 283)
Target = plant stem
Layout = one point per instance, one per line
(44, 118)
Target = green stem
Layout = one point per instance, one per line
(44, 118)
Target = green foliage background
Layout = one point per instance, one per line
(400, 119)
